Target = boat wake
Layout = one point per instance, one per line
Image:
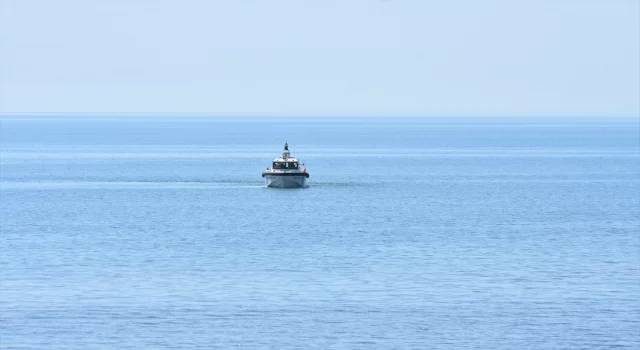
(136, 184)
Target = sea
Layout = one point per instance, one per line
(157, 232)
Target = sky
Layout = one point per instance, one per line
(347, 57)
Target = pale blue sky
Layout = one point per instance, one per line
(351, 57)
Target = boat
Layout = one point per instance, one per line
(285, 172)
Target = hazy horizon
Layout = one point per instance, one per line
(488, 58)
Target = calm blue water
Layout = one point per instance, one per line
(414, 234)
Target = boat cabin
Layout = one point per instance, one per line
(285, 165)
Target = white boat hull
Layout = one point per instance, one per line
(285, 181)
(286, 172)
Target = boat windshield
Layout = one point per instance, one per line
(285, 165)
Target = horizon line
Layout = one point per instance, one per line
(288, 114)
